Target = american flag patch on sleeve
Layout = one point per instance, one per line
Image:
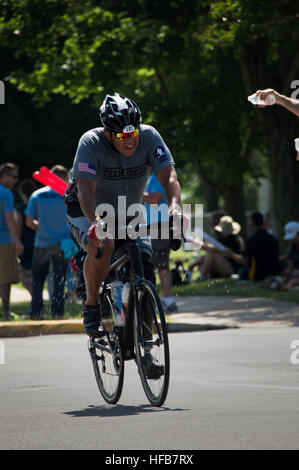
(87, 168)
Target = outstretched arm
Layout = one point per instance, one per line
(289, 103)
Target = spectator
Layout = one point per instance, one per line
(74, 283)
(77, 263)
(154, 193)
(291, 277)
(26, 188)
(10, 243)
(219, 263)
(290, 104)
(215, 217)
(260, 256)
(46, 213)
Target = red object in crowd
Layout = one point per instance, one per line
(46, 177)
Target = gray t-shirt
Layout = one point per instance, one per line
(116, 174)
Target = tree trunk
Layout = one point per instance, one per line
(232, 191)
(211, 197)
(281, 128)
(234, 203)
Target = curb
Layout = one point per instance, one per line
(15, 329)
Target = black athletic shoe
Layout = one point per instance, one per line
(153, 369)
(92, 321)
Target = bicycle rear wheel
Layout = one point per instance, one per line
(150, 337)
(106, 355)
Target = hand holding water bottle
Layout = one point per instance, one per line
(263, 98)
(269, 96)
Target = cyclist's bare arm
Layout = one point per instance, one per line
(290, 104)
(152, 198)
(168, 178)
(86, 196)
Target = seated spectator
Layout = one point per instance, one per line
(291, 275)
(260, 256)
(197, 263)
(219, 263)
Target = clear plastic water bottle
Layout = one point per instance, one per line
(269, 100)
(116, 295)
(125, 294)
(125, 300)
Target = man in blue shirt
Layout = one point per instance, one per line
(46, 213)
(10, 244)
(155, 199)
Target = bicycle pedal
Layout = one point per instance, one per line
(94, 355)
(129, 354)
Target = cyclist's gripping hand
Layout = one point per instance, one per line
(97, 233)
(178, 226)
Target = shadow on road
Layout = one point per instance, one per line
(118, 410)
(241, 310)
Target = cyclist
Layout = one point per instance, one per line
(112, 161)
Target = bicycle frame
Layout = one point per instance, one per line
(136, 276)
(142, 338)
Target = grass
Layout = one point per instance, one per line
(21, 309)
(217, 287)
(224, 287)
(228, 287)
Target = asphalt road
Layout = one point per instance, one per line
(230, 389)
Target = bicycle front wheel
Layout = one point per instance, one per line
(107, 357)
(151, 343)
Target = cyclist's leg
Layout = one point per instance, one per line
(95, 271)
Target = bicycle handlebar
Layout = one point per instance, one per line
(175, 243)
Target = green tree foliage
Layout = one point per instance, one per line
(189, 65)
(264, 38)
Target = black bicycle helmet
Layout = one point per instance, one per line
(118, 113)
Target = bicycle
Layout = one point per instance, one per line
(144, 332)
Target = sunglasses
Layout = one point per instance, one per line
(126, 135)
